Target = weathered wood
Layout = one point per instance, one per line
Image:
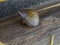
(13, 32)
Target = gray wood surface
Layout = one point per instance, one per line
(13, 32)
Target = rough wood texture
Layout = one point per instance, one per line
(12, 32)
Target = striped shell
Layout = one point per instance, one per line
(31, 18)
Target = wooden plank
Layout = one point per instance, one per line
(12, 32)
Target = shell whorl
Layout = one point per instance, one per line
(31, 17)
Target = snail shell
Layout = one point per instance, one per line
(30, 17)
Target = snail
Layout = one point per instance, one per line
(29, 17)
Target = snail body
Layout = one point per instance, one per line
(30, 17)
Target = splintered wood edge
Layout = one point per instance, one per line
(1, 43)
(3, 0)
(49, 7)
(52, 40)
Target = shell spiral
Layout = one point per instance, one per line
(31, 18)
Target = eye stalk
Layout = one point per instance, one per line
(30, 17)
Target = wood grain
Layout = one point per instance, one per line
(13, 32)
